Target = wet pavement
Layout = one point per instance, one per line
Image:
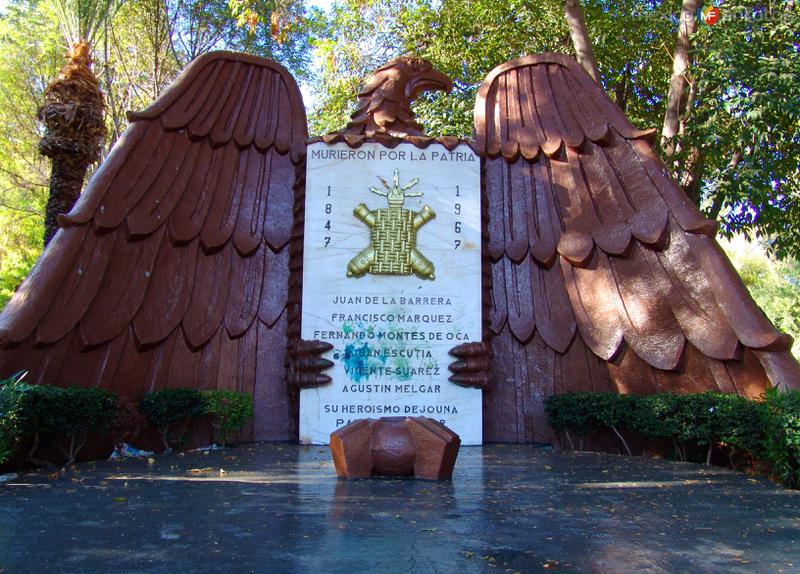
(279, 508)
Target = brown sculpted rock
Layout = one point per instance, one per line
(384, 104)
(306, 364)
(395, 446)
(392, 447)
(472, 364)
(181, 263)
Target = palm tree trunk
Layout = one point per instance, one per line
(66, 181)
(73, 115)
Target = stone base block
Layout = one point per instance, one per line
(395, 446)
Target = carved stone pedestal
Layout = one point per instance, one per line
(395, 446)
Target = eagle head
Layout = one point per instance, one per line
(384, 104)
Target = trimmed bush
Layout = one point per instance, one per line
(585, 412)
(171, 409)
(33, 415)
(765, 431)
(655, 416)
(57, 414)
(231, 410)
(9, 409)
(572, 412)
(128, 421)
(780, 419)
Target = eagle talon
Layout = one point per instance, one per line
(471, 365)
(306, 364)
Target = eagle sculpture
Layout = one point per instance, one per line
(181, 263)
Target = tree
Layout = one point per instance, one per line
(775, 285)
(580, 38)
(73, 110)
(745, 122)
(465, 40)
(34, 52)
(679, 92)
(141, 49)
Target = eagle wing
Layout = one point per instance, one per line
(172, 268)
(604, 275)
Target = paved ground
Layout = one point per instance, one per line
(280, 508)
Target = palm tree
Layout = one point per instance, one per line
(74, 108)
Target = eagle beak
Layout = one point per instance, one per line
(430, 80)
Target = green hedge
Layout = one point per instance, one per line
(229, 411)
(172, 412)
(37, 416)
(63, 416)
(764, 432)
(9, 409)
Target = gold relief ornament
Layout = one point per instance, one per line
(393, 234)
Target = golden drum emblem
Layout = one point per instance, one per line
(393, 235)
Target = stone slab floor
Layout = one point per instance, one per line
(279, 508)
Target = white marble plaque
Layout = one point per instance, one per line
(391, 333)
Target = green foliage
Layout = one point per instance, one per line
(746, 120)
(172, 411)
(33, 46)
(767, 431)
(9, 412)
(230, 409)
(780, 418)
(632, 41)
(56, 414)
(147, 44)
(463, 39)
(572, 411)
(775, 285)
(83, 19)
(709, 419)
(63, 417)
(654, 415)
(586, 412)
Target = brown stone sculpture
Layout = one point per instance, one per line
(181, 263)
(384, 103)
(395, 446)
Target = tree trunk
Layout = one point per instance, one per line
(580, 38)
(73, 116)
(678, 84)
(66, 181)
(692, 174)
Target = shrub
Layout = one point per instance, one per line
(655, 416)
(572, 412)
(780, 419)
(704, 419)
(230, 409)
(615, 411)
(72, 412)
(586, 411)
(712, 419)
(128, 421)
(171, 409)
(57, 414)
(9, 409)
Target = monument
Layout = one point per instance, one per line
(549, 253)
(392, 310)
